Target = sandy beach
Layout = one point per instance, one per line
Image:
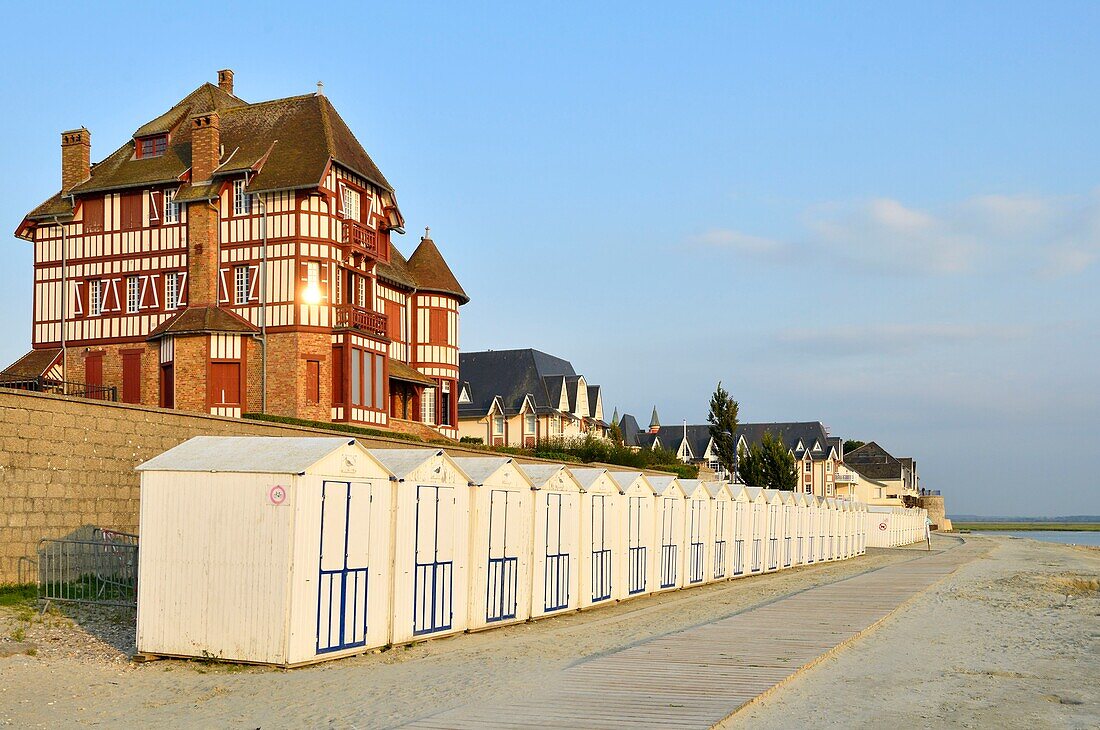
(997, 643)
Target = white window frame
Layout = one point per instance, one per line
(498, 420)
(133, 294)
(240, 284)
(808, 467)
(352, 202)
(95, 297)
(242, 201)
(172, 290)
(427, 406)
(530, 424)
(171, 208)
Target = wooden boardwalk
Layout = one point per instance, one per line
(696, 677)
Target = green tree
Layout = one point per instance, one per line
(616, 434)
(852, 445)
(768, 464)
(723, 427)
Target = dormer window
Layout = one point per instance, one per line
(154, 146)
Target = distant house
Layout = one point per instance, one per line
(816, 454)
(895, 478)
(519, 397)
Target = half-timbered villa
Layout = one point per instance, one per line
(235, 256)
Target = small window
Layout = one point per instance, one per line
(130, 211)
(351, 201)
(312, 293)
(171, 207)
(498, 425)
(445, 404)
(95, 298)
(427, 406)
(808, 467)
(829, 466)
(171, 290)
(529, 423)
(240, 285)
(152, 146)
(242, 201)
(133, 294)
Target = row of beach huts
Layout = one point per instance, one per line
(288, 551)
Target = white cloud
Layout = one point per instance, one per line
(1051, 236)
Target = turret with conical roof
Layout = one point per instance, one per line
(654, 421)
(431, 272)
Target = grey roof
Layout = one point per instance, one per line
(654, 420)
(401, 462)
(715, 488)
(661, 483)
(791, 432)
(647, 439)
(480, 468)
(753, 492)
(247, 454)
(587, 476)
(625, 478)
(511, 374)
(540, 474)
(697, 438)
(691, 486)
(630, 429)
(873, 462)
(593, 399)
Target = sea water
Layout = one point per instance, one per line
(1068, 537)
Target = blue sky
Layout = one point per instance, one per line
(883, 218)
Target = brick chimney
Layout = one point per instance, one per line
(76, 157)
(205, 146)
(202, 218)
(225, 80)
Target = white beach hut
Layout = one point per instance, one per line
(431, 543)
(601, 535)
(742, 531)
(758, 527)
(802, 528)
(669, 513)
(831, 514)
(501, 534)
(555, 565)
(774, 534)
(823, 510)
(721, 529)
(789, 528)
(264, 550)
(639, 529)
(697, 514)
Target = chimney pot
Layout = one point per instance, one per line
(76, 157)
(225, 80)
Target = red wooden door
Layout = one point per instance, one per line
(93, 375)
(131, 377)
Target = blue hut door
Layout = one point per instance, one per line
(556, 582)
(636, 563)
(433, 580)
(503, 573)
(668, 544)
(601, 550)
(342, 584)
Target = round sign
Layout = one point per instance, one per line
(277, 495)
(882, 526)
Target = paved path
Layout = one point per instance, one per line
(697, 677)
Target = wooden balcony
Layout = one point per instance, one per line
(351, 316)
(362, 240)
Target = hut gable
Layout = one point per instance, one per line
(422, 465)
(262, 455)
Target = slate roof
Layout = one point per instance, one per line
(671, 437)
(431, 273)
(288, 142)
(396, 271)
(654, 420)
(198, 320)
(512, 375)
(808, 432)
(593, 399)
(873, 462)
(34, 364)
(631, 430)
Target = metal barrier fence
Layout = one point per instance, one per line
(63, 387)
(102, 570)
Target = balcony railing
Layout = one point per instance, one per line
(351, 316)
(365, 241)
(842, 478)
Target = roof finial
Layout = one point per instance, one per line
(427, 232)
(320, 88)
